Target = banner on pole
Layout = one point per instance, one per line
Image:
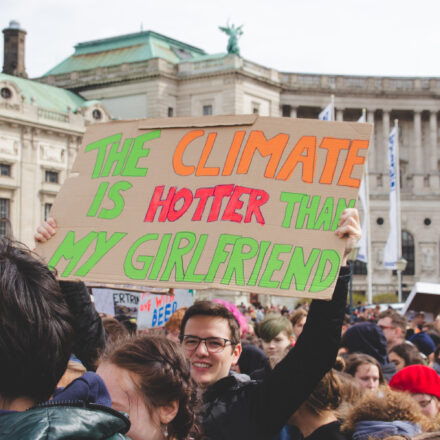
(327, 113)
(391, 253)
(231, 202)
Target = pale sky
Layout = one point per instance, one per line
(365, 37)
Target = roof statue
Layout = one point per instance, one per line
(234, 34)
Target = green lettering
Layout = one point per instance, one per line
(274, 264)
(264, 246)
(236, 265)
(320, 283)
(298, 269)
(137, 152)
(102, 189)
(101, 146)
(309, 210)
(117, 157)
(326, 215)
(115, 196)
(72, 251)
(291, 199)
(175, 259)
(220, 255)
(160, 256)
(129, 269)
(102, 247)
(190, 276)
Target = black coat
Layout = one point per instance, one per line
(237, 407)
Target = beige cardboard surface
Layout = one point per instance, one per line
(242, 203)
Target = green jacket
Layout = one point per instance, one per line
(64, 422)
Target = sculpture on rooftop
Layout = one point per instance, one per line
(234, 34)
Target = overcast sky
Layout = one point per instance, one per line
(366, 37)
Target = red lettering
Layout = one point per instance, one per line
(203, 194)
(156, 202)
(257, 199)
(234, 204)
(220, 192)
(187, 197)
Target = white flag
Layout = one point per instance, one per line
(391, 253)
(327, 113)
(363, 247)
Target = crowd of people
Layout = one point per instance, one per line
(216, 371)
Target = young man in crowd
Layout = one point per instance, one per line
(235, 407)
(37, 336)
(394, 326)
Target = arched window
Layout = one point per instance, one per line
(408, 252)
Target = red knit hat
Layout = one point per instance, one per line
(417, 379)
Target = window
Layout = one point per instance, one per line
(359, 268)
(51, 176)
(5, 169)
(5, 225)
(286, 109)
(207, 110)
(170, 112)
(5, 93)
(408, 252)
(256, 110)
(96, 114)
(47, 208)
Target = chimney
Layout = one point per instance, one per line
(13, 54)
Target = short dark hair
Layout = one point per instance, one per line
(396, 319)
(216, 310)
(36, 335)
(409, 353)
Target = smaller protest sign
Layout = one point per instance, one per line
(156, 310)
(116, 302)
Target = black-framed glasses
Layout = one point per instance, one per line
(213, 344)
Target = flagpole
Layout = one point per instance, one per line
(399, 226)
(333, 107)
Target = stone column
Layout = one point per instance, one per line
(433, 157)
(339, 114)
(417, 157)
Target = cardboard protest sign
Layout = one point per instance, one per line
(116, 302)
(155, 310)
(232, 202)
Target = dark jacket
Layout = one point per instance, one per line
(89, 339)
(331, 431)
(81, 410)
(237, 407)
(56, 421)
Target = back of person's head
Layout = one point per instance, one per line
(397, 320)
(128, 322)
(368, 338)
(273, 325)
(297, 315)
(36, 334)
(175, 321)
(114, 329)
(355, 360)
(162, 375)
(214, 310)
(242, 321)
(252, 358)
(408, 352)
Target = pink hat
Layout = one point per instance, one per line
(417, 379)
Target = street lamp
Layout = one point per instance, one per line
(401, 264)
(352, 256)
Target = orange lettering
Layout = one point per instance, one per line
(273, 147)
(233, 153)
(201, 169)
(352, 160)
(307, 144)
(334, 147)
(179, 167)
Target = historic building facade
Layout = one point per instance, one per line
(149, 75)
(41, 128)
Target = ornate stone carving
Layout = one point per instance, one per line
(428, 257)
(9, 146)
(52, 153)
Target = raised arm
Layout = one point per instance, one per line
(295, 377)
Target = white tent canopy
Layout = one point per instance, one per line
(424, 297)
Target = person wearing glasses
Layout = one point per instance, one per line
(236, 407)
(394, 326)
